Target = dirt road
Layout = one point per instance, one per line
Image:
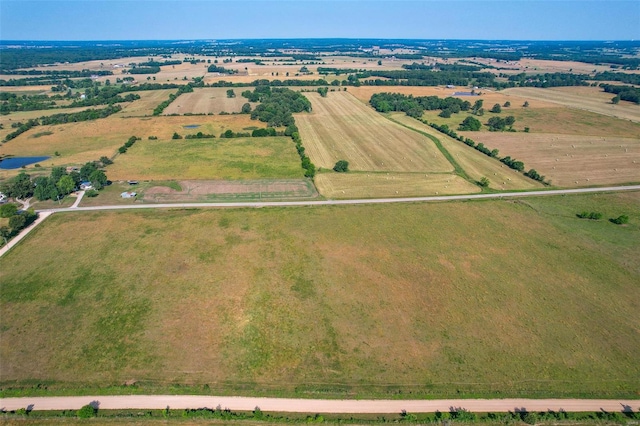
(316, 405)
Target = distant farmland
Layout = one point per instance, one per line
(342, 128)
(210, 100)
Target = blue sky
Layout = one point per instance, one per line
(213, 19)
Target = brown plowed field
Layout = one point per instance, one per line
(342, 128)
(209, 190)
(569, 160)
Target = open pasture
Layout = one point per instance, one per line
(342, 128)
(570, 160)
(475, 164)
(210, 100)
(389, 185)
(85, 141)
(594, 100)
(502, 298)
(237, 158)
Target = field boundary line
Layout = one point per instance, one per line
(456, 167)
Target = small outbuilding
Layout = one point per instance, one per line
(128, 194)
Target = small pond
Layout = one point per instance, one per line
(17, 162)
(191, 126)
(465, 94)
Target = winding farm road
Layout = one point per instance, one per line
(314, 406)
(352, 202)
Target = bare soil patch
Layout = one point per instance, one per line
(212, 190)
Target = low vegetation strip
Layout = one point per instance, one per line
(268, 300)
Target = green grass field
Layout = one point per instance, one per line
(492, 298)
(238, 158)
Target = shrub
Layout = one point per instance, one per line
(620, 220)
(91, 193)
(341, 166)
(86, 412)
(8, 210)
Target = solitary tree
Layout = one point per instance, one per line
(507, 104)
(231, 93)
(525, 104)
(470, 124)
(483, 182)
(246, 108)
(98, 179)
(341, 166)
(496, 108)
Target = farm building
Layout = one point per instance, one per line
(128, 194)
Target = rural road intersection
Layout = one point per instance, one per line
(314, 406)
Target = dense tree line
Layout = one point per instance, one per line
(128, 144)
(415, 106)
(90, 114)
(221, 70)
(144, 70)
(277, 105)
(422, 77)
(625, 93)
(548, 79)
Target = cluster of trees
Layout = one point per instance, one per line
(144, 70)
(499, 124)
(90, 114)
(470, 124)
(228, 134)
(277, 105)
(589, 215)
(200, 135)
(18, 220)
(533, 174)
(625, 93)
(221, 70)
(128, 144)
(342, 166)
(620, 220)
(548, 79)
(11, 102)
(323, 91)
(514, 164)
(231, 93)
(187, 88)
(415, 106)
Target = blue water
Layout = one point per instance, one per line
(17, 162)
(191, 126)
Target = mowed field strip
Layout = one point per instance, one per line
(567, 160)
(342, 128)
(210, 100)
(391, 184)
(590, 102)
(337, 300)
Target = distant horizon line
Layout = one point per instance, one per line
(2, 41)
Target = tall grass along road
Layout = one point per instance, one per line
(316, 405)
